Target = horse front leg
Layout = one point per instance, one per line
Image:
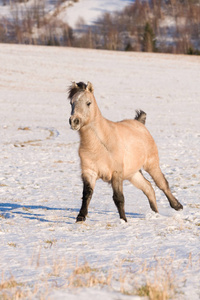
(88, 188)
(118, 197)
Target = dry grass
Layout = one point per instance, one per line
(156, 291)
(155, 281)
(194, 205)
(50, 243)
(160, 281)
(8, 284)
(14, 245)
(85, 276)
(11, 289)
(59, 268)
(152, 292)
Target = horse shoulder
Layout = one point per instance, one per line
(95, 155)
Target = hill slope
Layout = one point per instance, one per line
(70, 11)
(90, 10)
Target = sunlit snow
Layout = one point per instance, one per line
(40, 182)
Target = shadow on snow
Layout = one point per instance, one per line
(7, 210)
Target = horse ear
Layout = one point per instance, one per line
(89, 87)
(74, 85)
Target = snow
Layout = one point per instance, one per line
(90, 10)
(41, 245)
(69, 11)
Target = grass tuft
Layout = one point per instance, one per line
(12, 245)
(50, 243)
(85, 276)
(9, 284)
(153, 292)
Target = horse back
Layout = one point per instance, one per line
(136, 146)
(124, 146)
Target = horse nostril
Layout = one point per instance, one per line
(76, 121)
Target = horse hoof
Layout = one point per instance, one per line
(124, 219)
(179, 206)
(80, 219)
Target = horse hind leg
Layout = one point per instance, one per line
(163, 185)
(140, 182)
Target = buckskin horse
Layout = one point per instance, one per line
(114, 152)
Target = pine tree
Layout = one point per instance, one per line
(149, 41)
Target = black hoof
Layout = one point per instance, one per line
(179, 206)
(80, 219)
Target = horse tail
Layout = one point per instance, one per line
(140, 116)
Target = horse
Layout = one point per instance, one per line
(114, 152)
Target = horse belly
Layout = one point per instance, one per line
(134, 159)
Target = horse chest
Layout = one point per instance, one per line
(104, 169)
(99, 160)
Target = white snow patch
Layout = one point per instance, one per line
(69, 11)
(90, 10)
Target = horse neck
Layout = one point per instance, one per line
(96, 131)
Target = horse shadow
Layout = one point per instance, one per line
(7, 211)
(10, 210)
(128, 214)
(135, 215)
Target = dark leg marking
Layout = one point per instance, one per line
(87, 195)
(118, 197)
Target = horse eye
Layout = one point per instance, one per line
(88, 104)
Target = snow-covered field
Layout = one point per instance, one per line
(43, 252)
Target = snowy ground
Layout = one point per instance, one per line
(44, 253)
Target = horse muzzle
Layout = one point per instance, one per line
(75, 123)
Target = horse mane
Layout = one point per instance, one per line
(79, 86)
(76, 87)
(140, 116)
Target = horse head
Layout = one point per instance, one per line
(82, 104)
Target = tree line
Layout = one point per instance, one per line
(170, 26)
